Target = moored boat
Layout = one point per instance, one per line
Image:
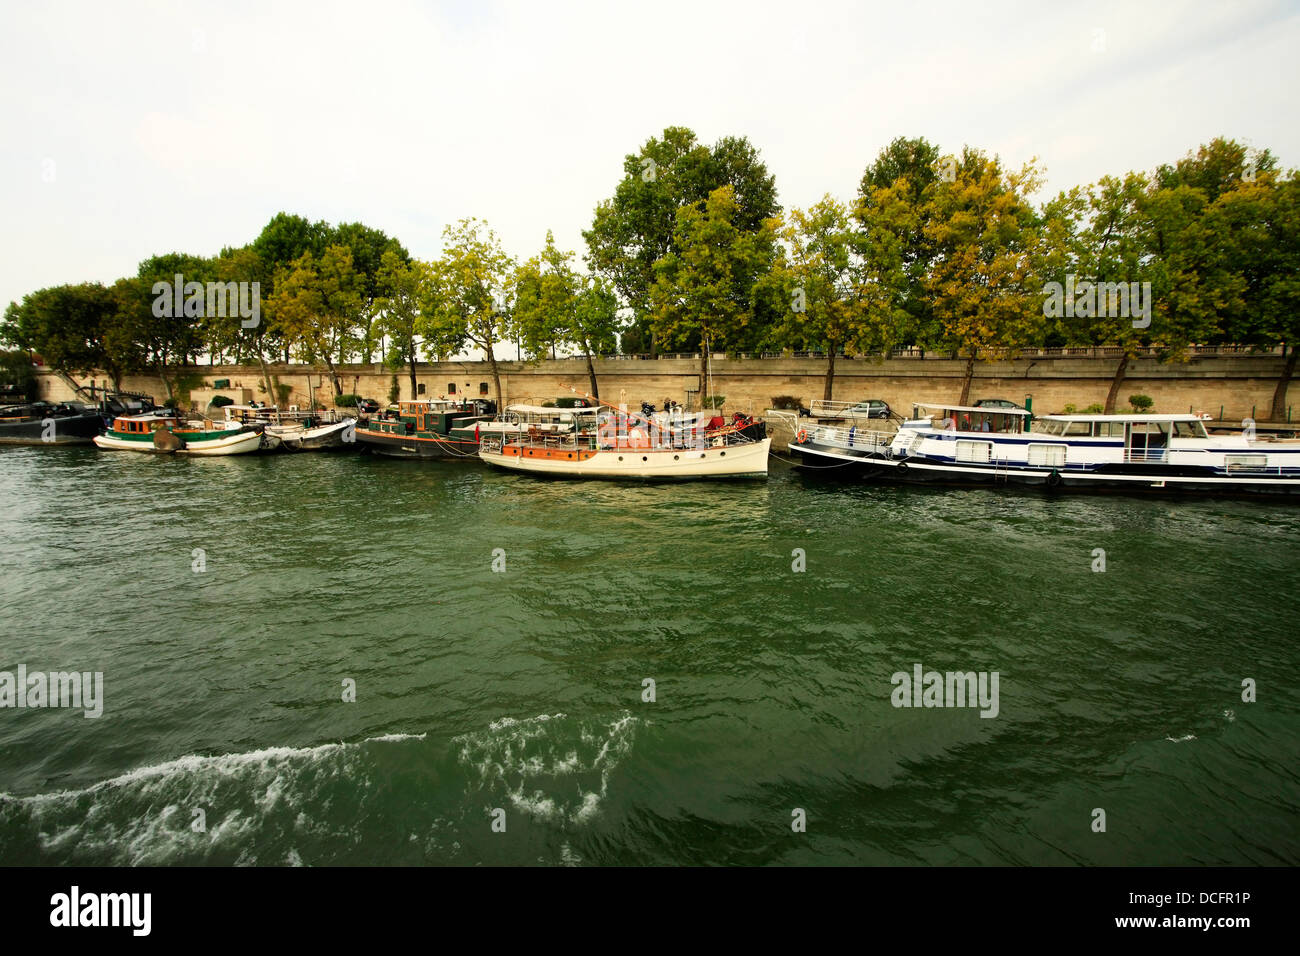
(296, 430)
(42, 423)
(432, 428)
(1150, 453)
(165, 432)
(613, 443)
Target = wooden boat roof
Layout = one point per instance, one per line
(1177, 417)
(978, 410)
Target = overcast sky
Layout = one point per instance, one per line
(131, 129)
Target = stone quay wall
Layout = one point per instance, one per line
(1231, 386)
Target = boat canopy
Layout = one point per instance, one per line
(980, 410)
(149, 417)
(550, 410)
(1183, 417)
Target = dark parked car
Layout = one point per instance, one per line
(367, 406)
(869, 408)
(996, 403)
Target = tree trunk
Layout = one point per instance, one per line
(334, 379)
(591, 374)
(496, 376)
(1115, 383)
(1278, 412)
(966, 379)
(830, 376)
(410, 359)
(273, 398)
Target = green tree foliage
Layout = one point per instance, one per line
(316, 305)
(705, 285)
(892, 210)
(554, 307)
(369, 246)
(467, 304)
(405, 288)
(981, 284)
(67, 327)
(635, 228)
(17, 375)
(830, 298)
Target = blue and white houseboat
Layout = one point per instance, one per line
(952, 444)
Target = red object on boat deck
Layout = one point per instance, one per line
(715, 421)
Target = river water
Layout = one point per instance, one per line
(501, 716)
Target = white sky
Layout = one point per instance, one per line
(186, 126)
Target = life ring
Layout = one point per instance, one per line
(803, 435)
(902, 467)
(1054, 479)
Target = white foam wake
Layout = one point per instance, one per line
(230, 807)
(550, 767)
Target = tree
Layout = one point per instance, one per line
(17, 374)
(635, 228)
(981, 281)
(594, 324)
(404, 296)
(316, 304)
(705, 285)
(69, 327)
(286, 237)
(893, 209)
(545, 296)
(369, 247)
(554, 307)
(1094, 246)
(1255, 218)
(1274, 293)
(831, 300)
(467, 303)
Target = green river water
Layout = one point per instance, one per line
(522, 689)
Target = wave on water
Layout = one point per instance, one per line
(237, 808)
(396, 798)
(542, 767)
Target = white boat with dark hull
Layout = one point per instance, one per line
(1148, 453)
(296, 430)
(163, 432)
(610, 442)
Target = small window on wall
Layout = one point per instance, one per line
(451, 388)
(482, 388)
(419, 389)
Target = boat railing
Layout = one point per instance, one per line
(1145, 454)
(858, 439)
(824, 408)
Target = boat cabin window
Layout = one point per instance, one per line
(967, 421)
(1108, 429)
(1078, 428)
(1190, 430)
